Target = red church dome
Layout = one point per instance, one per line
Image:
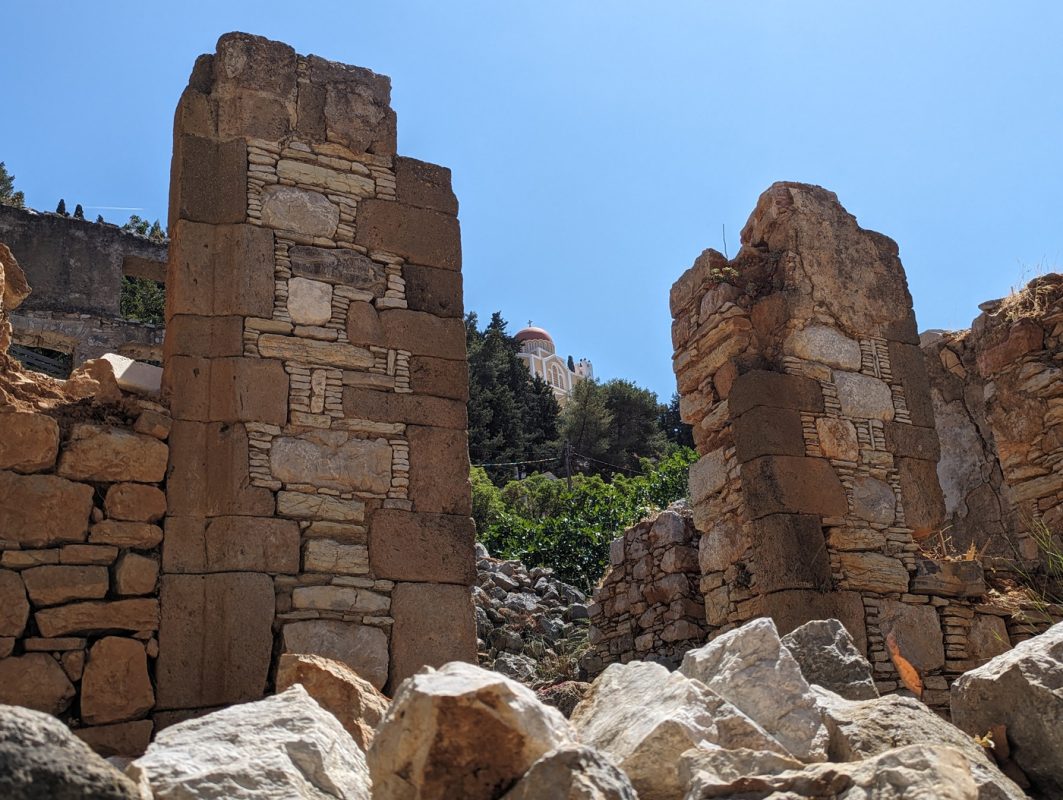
(528, 334)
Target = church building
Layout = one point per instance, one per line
(538, 353)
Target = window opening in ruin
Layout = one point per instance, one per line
(42, 359)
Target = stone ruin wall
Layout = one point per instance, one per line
(76, 267)
(308, 447)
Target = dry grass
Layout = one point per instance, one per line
(1027, 299)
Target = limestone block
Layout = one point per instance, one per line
(439, 461)
(751, 669)
(115, 686)
(573, 772)
(413, 409)
(419, 235)
(916, 632)
(828, 657)
(135, 574)
(140, 535)
(826, 345)
(28, 441)
(41, 510)
(135, 502)
(912, 441)
(334, 460)
(462, 732)
(221, 270)
(319, 507)
(326, 555)
(795, 484)
(312, 351)
(708, 769)
(287, 208)
(873, 500)
(708, 475)
(347, 267)
(287, 746)
(837, 438)
(422, 547)
(226, 661)
(440, 377)
(42, 758)
(433, 625)
(135, 376)
(863, 397)
(764, 431)
(355, 107)
(722, 545)
(349, 183)
(789, 552)
(309, 302)
(210, 180)
(363, 648)
(987, 638)
(873, 572)
(14, 607)
(246, 390)
(347, 599)
(418, 183)
(141, 614)
(123, 739)
(101, 453)
(231, 544)
(35, 681)
(339, 690)
(50, 585)
(776, 390)
(845, 538)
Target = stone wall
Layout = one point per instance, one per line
(75, 268)
(648, 606)
(315, 367)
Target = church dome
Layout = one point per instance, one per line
(535, 340)
(531, 334)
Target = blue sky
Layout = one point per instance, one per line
(598, 147)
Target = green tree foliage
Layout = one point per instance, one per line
(61, 208)
(141, 227)
(677, 431)
(512, 417)
(8, 195)
(544, 523)
(79, 212)
(142, 300)
(99, 219)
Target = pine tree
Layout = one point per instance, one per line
(671, 422)
(586, 422)
(157, 234)
(99, 218)
(7, 184)
(61, 208)
(79, 212)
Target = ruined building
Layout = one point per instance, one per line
(301, 483)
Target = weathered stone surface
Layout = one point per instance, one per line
(414, 409)
(349, 183)
(573, 772)
(301, 211)
(224, 662)
(948, 578)
(99, 554)
(433, 625)
(423, 334)
(1023, 690)
(309, 302)
(326, 555)
(40, 510)
(874, 500)
(36, 681)
(713, 771)
(912, 441)
(338, 266)
(864, 397)
(347, 599)
(924, 505)
(140, 535)
(987, 638)
(863, 729)
(282, 746)
(750, 668)
(339, 690)
(115, 686)
(135, 574)
(438, 479)
(436, 291)
(301, 505)
(828, 657)
(28, 441)
(419, 235)
(794, 484)
(363, 648)
(50, 585)
(792, 609)
(463, 732)
(440, 377)
(916, 632)
(135, 502)
(422, 547)
(764, 431)
(224, 270)
(100, 453)
(790, 552)
(826, 345)
(418, 183)
(1025, 336)
(227, 544)
(14, 608)
(776, 390)
(100, 616)
(41, 758)
(123, 739)
(645, 717)
(202, 336)
(873, 572)
(334, 460)
(837, 438)
(134, 376)
(210, 180)
(312, 351)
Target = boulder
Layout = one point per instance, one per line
(750, 668)
(711, 771)
(461, 731)
(282, 746)
(828, 657)
(1023, 690)
(40, 758)
(337, 688)
(862, 729)
(36, 681)
(573, 772)
(918, 772)
(645, 717)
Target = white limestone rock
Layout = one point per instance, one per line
(573, 772)
(309, 302)
(646, 717)
(283, 746)
(1023, 690)
(750, 668)
(710, 771)
(828, 657)
(461, 731)
(135, 376)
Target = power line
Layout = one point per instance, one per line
(517, 463)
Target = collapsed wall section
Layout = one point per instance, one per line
(315, 363)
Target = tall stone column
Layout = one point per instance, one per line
(315, 366)
(799, 367)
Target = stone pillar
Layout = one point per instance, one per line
(798, 365)
(315, 367)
